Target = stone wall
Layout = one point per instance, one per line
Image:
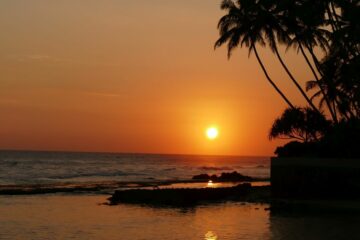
(314, 177)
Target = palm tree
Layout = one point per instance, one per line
(303, 124)
(341, 84)
(347, 32)
(241, 27)
(303, 23)
(264, 16)
(270, 16)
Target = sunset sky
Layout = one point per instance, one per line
(132, 76)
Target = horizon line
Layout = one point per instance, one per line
(129, 153)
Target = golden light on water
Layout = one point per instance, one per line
(212, 133)
(210, 183)
(210, 236)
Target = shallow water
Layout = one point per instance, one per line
(81, 217)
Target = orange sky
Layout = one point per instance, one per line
(132, 76)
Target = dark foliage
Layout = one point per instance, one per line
(341, 141)
(299, 149)
(303, 124)
(326, 33)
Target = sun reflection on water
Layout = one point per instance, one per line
(210, 235)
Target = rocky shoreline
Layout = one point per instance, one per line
(191, 196)
(224, 177)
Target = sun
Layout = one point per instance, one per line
(212, 133)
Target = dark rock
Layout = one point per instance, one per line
(224, 177)
(214, 177)
(180, 196)
(234, 176)
(201, 177)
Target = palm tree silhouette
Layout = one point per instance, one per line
(306, 25)
(303, 23)
(270, 16)
(304, 124)
(340, 81)
(241, 27)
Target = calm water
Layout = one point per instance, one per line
(80, 217)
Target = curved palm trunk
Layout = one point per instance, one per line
(334, 106)
(332, 111)
(269, 79)
(316, 61)
(307, 60)
(351, 111)
(331, 19)
(294, 80)
(317, 64)
(337, 22)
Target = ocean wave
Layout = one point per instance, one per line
(101, 187)
(215, 168)
(169, 169)
(261, 166)
(90, 187)
(93, 187)
(52, 167)
(94, 174)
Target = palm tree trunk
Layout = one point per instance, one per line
(308, 61)
(294, 80)
(355, 108)
(316, 61)
(337, 22)
(269, 79)
(331, 19)
(331, 110)
(335, 114)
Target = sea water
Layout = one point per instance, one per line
(59, 167)
(84, 216)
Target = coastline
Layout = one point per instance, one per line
(108, 187)
(85, 216)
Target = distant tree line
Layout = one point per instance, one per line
(326, 33)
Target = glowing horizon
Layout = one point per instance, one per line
(131, 77)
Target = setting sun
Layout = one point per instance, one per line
(212, 133)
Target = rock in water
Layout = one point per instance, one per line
(180, 196)
(224, 177)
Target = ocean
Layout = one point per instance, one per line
(80, 169)
(84, 216)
